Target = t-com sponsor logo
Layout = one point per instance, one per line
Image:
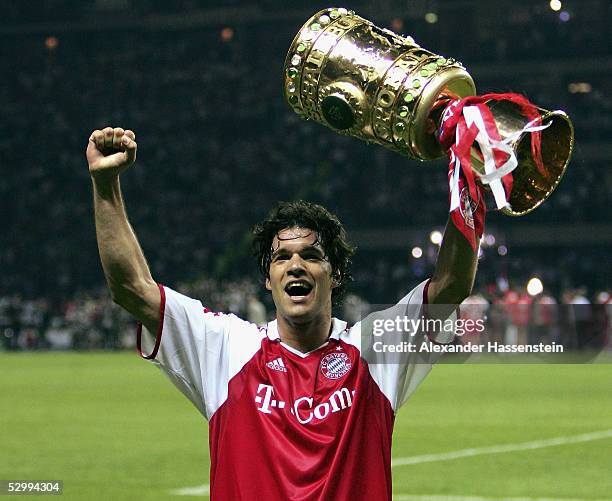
(304, 408)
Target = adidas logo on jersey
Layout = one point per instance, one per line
(277, 365)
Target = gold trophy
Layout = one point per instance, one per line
(364, 81)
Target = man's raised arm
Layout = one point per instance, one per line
(453, 278)
(109, 152)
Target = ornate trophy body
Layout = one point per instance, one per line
(368, 82)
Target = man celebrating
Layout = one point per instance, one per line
(295, 411)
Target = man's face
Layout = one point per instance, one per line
(300, 276)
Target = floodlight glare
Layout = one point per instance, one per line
(534, 286)
(435, 237)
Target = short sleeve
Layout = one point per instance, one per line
(399, 374)
(199, 350)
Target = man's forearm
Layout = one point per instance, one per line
(125, 267)
(455, 271)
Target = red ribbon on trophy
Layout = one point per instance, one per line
(468, 128)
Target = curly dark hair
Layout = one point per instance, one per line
(330, 233)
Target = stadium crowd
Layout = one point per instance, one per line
(217, 147)
(91, 321)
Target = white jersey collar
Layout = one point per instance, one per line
(338, 327)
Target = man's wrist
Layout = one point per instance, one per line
(106, 186)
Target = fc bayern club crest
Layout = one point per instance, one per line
(468, 206)
(335, 365)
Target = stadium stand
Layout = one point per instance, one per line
(218, 147)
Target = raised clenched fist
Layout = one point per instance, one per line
(110, 151)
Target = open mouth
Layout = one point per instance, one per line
(298, 289)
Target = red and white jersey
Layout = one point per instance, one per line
(286, 425)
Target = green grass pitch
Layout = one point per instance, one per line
(112, 427)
